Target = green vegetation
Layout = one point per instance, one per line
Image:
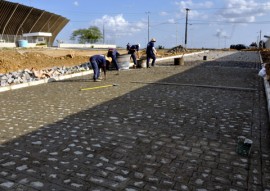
(90, 35)
(41, 44)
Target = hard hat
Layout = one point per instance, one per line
(153, 40)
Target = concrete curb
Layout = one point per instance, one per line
(267, 93)
(43, 81)
(182, 55)
(267, 90)
(58, 78)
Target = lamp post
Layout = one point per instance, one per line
(103, 33)
(260, 44)
(187, 10)
(148, 24)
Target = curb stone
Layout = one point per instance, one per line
(267, 90)
(43, 81)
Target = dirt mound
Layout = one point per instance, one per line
(14, 60)
(44, 58)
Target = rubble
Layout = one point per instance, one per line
(177, 49)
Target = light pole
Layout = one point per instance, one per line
(148, 23)
(260, 43)
(186, 27)
(103, 33)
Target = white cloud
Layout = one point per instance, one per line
(221, 34)
(233, 11)
(163, 13)
(118, 25)
(172, 21)
(194, 7)
(243, 10)
(76, 3)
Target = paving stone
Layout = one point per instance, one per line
(136, 136)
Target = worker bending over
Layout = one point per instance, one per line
(134, 51)
(98, 62)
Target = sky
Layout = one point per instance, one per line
(210, 23)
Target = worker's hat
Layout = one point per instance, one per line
(108, 58)
(153, 40)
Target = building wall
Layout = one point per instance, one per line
(61, 45)
(13, 45)
(64, 45)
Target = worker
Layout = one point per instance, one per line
(99, 62)
(151, 52)
(134, 51)
(113, 53)
(128, 46)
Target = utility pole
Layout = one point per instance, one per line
(260, 39)
(103, 33)
(148, 23)
(186, 27)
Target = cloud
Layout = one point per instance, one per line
(221, 34)
(76, 3)
(172, 21)
(191, 4)
(118, 25)
(194, 7)
(243, 11)
(163, 13)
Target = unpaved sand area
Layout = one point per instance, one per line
(44, 58)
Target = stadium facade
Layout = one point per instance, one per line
(20, 22)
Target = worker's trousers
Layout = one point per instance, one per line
(96, 70)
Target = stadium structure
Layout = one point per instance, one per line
(20, 22)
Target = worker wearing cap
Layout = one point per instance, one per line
(128, 46)
(151, 53)
(134, 50)
(98, 62)
(113, 53)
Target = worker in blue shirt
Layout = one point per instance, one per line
(98, 62)
(134, 51)
(113, 53)
(151, 53)
(128, 46)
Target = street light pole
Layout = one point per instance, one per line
(103, 33)
(186, 27)
(148, 24)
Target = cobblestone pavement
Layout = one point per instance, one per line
(177, 133)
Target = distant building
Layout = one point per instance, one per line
(267, 42)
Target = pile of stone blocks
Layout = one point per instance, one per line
(24, 76)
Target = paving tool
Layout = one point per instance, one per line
(98, 87)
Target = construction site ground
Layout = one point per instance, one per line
(45, 58)
(165, 128)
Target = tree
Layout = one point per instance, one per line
(90, 35)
